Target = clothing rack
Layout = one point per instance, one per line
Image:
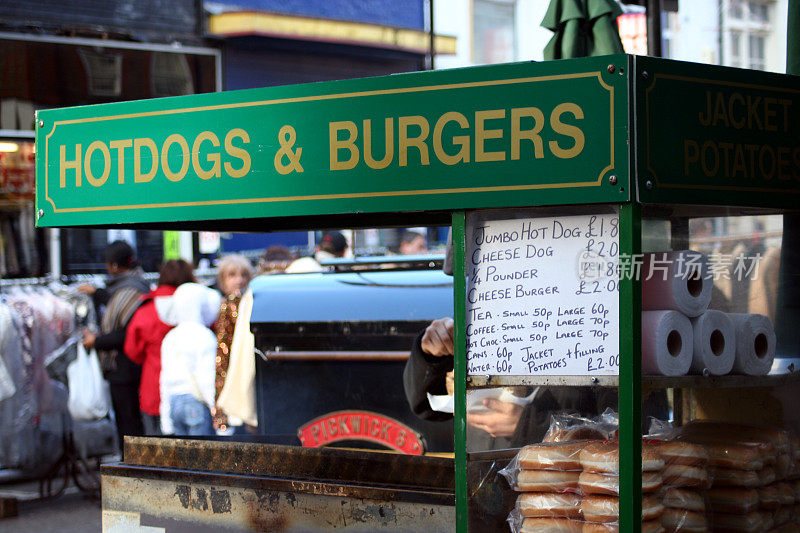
(205, 274)
(14, 282)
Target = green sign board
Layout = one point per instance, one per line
(507, 135)
(717, 136)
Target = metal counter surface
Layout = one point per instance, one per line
(172, 485)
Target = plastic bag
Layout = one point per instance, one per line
(568, 427)
(549, 505)
(675, 520)
(87, 400)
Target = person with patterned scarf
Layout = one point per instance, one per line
(120, 298)
(233, 276)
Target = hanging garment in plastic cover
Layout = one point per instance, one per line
(18, 399)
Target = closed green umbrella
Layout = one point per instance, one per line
(582, 28)
(793, 39)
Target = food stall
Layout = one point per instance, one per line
(563, 182)
(332, 372)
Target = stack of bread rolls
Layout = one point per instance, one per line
(599, 485)
(574, 486)
(548, 480)
(686, 478)
(712, 477)
(794, 479)
(751, 466)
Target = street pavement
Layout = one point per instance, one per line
(73, 511)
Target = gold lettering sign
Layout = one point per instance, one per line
(143, 159)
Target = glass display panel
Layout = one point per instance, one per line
(733, 410)
(542, 323)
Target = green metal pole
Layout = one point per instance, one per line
(460, 367)
(630, 374)
(793, 38)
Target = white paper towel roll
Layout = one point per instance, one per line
(676, 280)
(667, 343)
(714, 343)
(755, 344)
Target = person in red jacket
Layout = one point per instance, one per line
(145, 332)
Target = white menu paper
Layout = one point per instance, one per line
(543, 296)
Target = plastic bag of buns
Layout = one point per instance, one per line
(566, 427)
(546, 467)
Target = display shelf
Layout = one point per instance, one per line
(679, 382)
(535, 381)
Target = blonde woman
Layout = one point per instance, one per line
(234, 273)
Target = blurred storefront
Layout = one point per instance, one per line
(275, 42)
(89, 52)
(77, 53)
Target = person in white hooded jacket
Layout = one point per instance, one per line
(188, 360)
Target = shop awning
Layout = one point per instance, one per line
(257, 23)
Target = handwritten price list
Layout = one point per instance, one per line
(543, 296)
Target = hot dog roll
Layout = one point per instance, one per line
(608, 484)
(549, 505)
(796, 487)
(786, 493)
(600, 509)
(790, 527)
(603, 457)
(732, 501)
(572, 434)
(738, 456)
(684, 499)
(547, 481)
(766, 475)
(651, 526)
(686, 476)
(729, 477)
(605, 509)
(652, 508)
(594, 483)
(651, 481)
(736, 523)
(551, 456)
(769, 521)
(551, 525)
(783, 466)
(769, 497)
(683, 453)
(783, 515)
(739, 433)
(682, 520)
(651, 459)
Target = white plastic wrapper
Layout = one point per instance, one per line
(569, 427)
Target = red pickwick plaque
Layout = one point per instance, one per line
(360, 425)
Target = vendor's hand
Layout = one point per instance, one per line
(88, 339)
(86, 288)
(501, 421)
(438, 338)
(449, 383)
